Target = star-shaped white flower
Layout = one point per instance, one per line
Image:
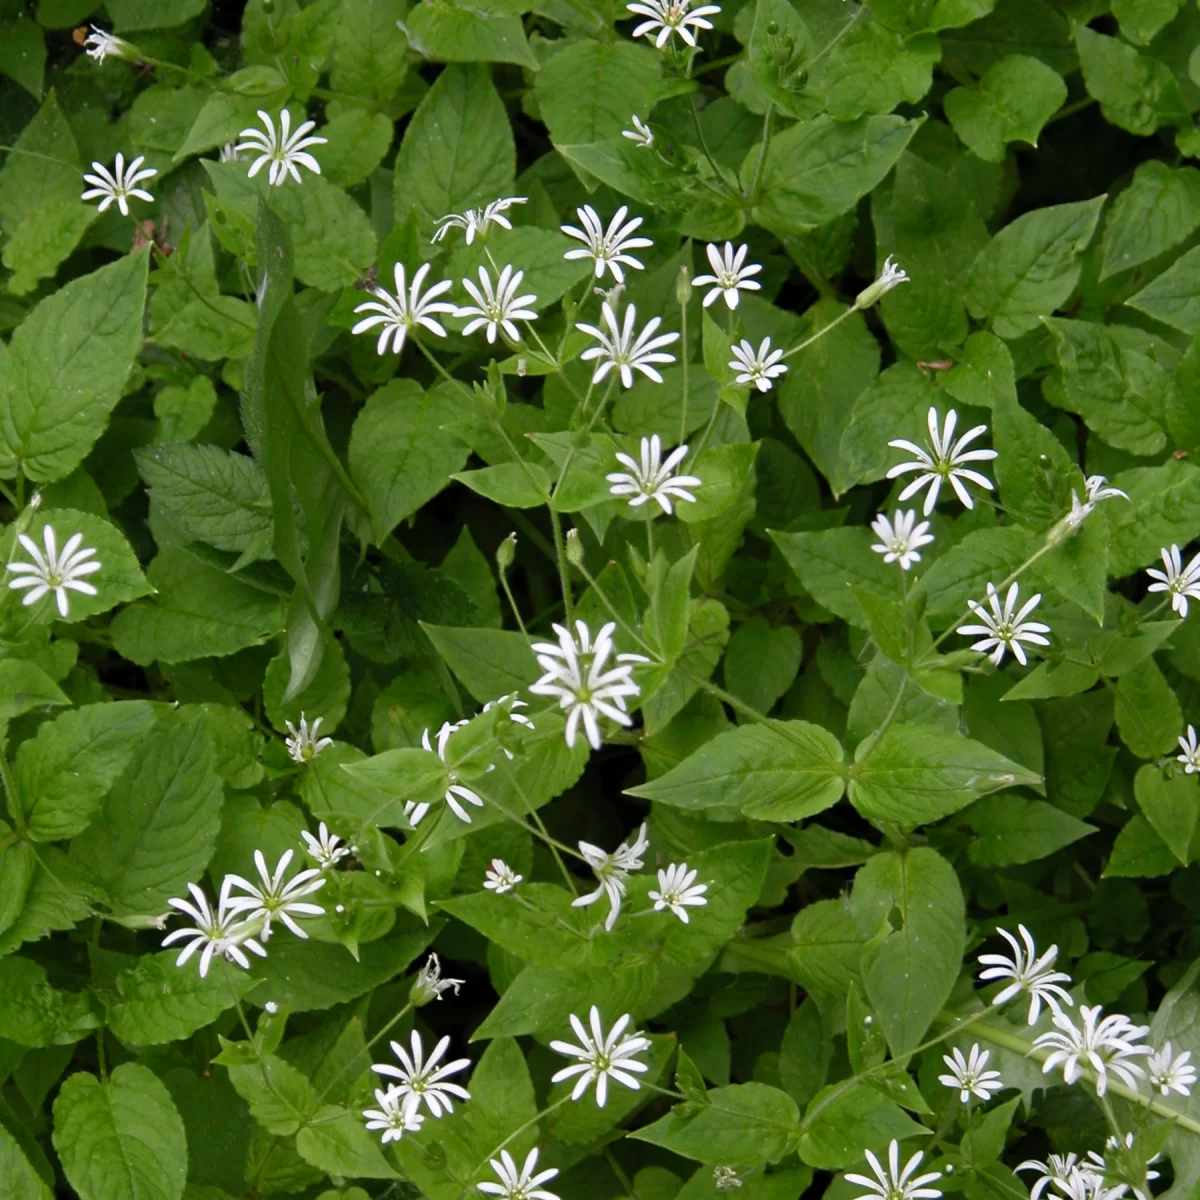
(665, 18)
(522, 1184)
(901, 538)
(607, 248)
(221, 932)
(1179, 582)
(1057, 1169)
(455, 791)
(575, 675)
(894, 1183)
(1102, 1043)
(1171, 1072)
(272, 898)
(619, 347)
(118, 185)
(757, 367)
(476, 221)
(51, 571)
(303, 743)
(612, 870)
(1002, 628)
(497, 307)
(500, 877)
(1095, 489)
(601, 1056)
(392, 1116)
(405, 310)
(1190, 758)
(1026, 972)
(730, 277)
(422, 1080)
(99, 45)
(968, 1074)
(325, 849)
(942, 461)
(284, 150)
(653, 478)
(678, 890)
(641, 133)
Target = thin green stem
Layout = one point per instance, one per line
(684, 356)
(649, 535)
(712, 162)
(10, 790)
(512, 603)
(347, 1065)
(516, 1133)
(560, 555)
(764, 145)
(816, 337)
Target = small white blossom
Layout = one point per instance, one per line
(725, 1179)
(575, 675)
(405, 310)
(54, 572)
(414, 813)
(393, 1116)
(730, 278)
(1057, 1169)
(1179, 582)
(422, 1080)
(1102, 1043)
(497, 308)
(601, 1057)
(1170, 1072)
(477, 220)
(429, 984)
(894, 1183)
(969, 1074)
(652, 478)
(667, 17)
(892, 276)
(619, 347)
(302, 742)
(284, 150)
(220, 932)
(512, 702)
(1190, 758)
(119, 184)
(757, 368)
(640, 133)
(325, 849)
(455, 791)
(1095, 489)
(99, 45)
(1002, 629)
(229, 153)
(500, 877)
(522, 1184)
(607, 248)
(901, 538)
(271, 897)
(678, 890)
(942, 461)
(612, 870)
(1027, 972)
(1083, 1183)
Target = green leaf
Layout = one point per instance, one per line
(129, 16)
(1031, 267)
(458, 148)
(489, 662)
(121, 1138)
(212, 328)
(840, 1123)
(1171, 805)
(1174, 296)
(827, 946)
(444, 30)
(778, 49)
(1011, 830)
(337, 1142)
(1148, 714)
(19, 1179)
(369, 60)
(586, 91)
(23, 55)
(32, 1013)
(44, 170)
(1164, 507)
(911, 907)
(67, 364)
(917, 774)
(963, 572)
(874, 70)
(44, 240)
(761, 662)
(333, 238)
(831, 562)
(358, 142)
(510, 484)
(24, 686)
(1137, 93)
(1157, 211)
(1139, 853)
(280, 1096)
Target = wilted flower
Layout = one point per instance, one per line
(119, 184)
(725, 1179)
(285, 151)
(1179, 582)
(477, 220)
(393, 1116)
(942, 461)
(668, 17)
(429, 984)
(1169, 1072)
(901, 538)
(620, 349)
(894, 1183)
(1102, 1043)
(640, 133)
(220, 932)
(303, 743)
(423, 1080)
(652, 478)
(612, 870)
(601, 1056)
(497, 308)
(1001, 629)
(1027, 972)
(500, 877)
(1095, 489)
(405, 310)
(53, 572)
(607, 248)
(678, 890)
(969, 1075)
(519, 1185)
(890, 277)
(271, 897)
(730, 278)
(99, 45)
(757, 367)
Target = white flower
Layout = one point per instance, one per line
(601, 1057)
(901, 537)
(619, 348)
(283, 150)
(499, 307)
(99, 45)
(729, 276)
(118, 185)
(652, 478)
(1096, 489)
(1083, 1183)
(1190, 758)
(575, 676)
(220, 932)
(512, 704)
(969, 1076)
(272, 898)
(414, 813)
(1028, 973)
(303, 743)
(612, 870)
(393, 1116)
(942, 461)
(1104, 1044)
(455, 791)
(1057, 1169)
(607, 248)
(500, 877)
(725, 1179)
(678, 890)
(519, 1185)
(1001, 629)
(669, 17)
(229, 153)
(892, 276)
(1169, 1072)
(476, 220)
(1180, 582)
(640, 133)
(757, 368)
(52, 571)
(405, 310)
(423, 1080)
(894, 1183)
(429, 984)
(325, 849)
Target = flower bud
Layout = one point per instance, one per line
(506, 552)
(574, 548)
(683, 286)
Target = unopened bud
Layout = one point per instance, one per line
(522, 368)
(506, 552)
(574, 549)
(683, 286)
(892, 276)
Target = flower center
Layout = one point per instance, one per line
(54, 578)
